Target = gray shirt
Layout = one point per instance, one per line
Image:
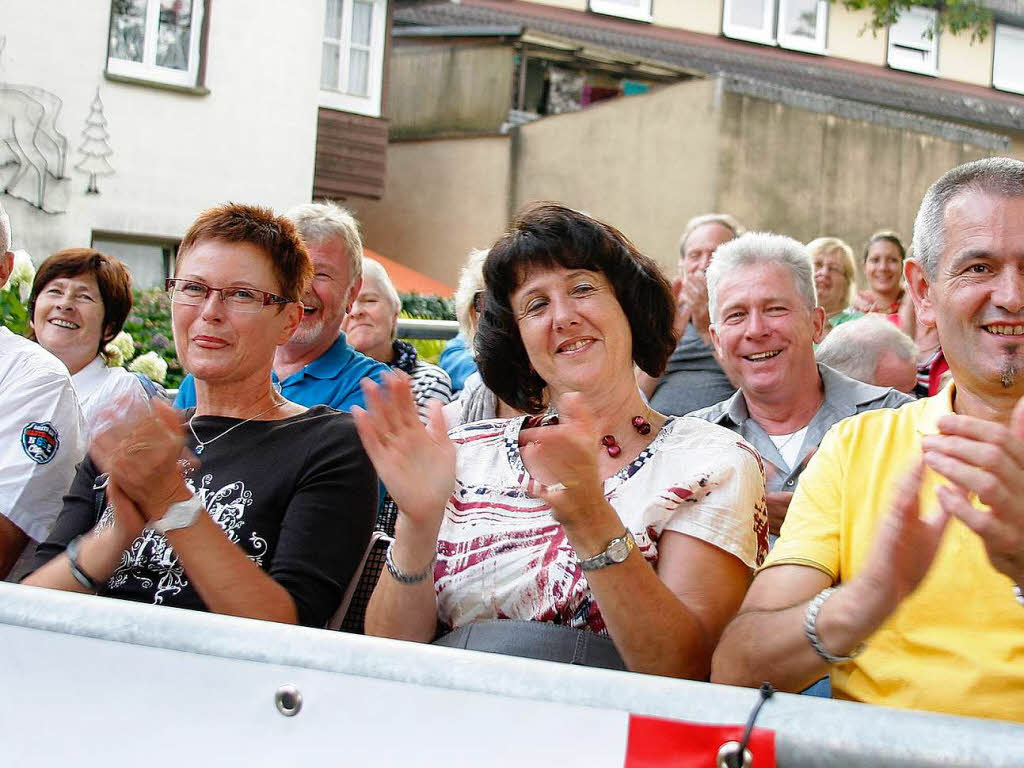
(843, 397)
(693, 378)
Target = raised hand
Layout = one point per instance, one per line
(683, 308)
(693, 294)
(415, 463)
(865, 302)
(568, 452)
(988, 459)
(905, 545)
(139, 444)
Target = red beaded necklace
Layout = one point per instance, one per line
(611, 445)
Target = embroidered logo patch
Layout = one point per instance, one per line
(40, 441)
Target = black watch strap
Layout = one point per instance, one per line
(80, 575)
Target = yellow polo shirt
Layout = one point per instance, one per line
(956, 645)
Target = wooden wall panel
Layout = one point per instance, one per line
(351, 155)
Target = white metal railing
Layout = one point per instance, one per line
(410, 328)
(100, 680)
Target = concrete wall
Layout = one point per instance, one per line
(438, 88)
(808, 174)
(644, 164)
(251, 139)
(443, 198)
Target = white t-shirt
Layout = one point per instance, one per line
(97, 385)
(789, 446)
(42, 431)
(502, 555)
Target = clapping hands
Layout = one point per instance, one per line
(415, 463)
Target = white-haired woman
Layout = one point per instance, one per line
(372, 328)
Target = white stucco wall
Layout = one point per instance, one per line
(250, 139)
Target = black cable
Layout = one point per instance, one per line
(765, 692)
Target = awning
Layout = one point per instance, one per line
(408, 280)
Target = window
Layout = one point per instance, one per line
(1008, 61)
(797, 24)
(353, 55)
(629, 9)
(156, 40)
(912, 46)
(149, 261)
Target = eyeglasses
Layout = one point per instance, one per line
(830, 268)
(235, 298)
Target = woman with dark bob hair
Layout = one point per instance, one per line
(595, 530)
(79, 301)
(248, 504)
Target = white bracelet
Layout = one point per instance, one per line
(1018, 593)
(811, 629)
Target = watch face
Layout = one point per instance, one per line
(618, 550)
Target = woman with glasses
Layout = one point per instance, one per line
(79, 301)
(248, 504)
(834, 278)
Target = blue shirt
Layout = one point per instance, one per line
(332, 379)
(457, 361)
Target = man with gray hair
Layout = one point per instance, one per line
(900, 566)
(765, 320)
(693, 377)
(318, 366)
(43, 429)
(873, 350)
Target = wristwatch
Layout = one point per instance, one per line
(616, 552)
(181, 514)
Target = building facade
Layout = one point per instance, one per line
(796, 118)
(121, 120)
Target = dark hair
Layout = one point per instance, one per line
(546, 236)
(889, 237)
(274, 235)
(112, 277)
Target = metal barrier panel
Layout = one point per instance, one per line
(91, 681)
(410, 328)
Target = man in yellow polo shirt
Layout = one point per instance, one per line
(899, 564)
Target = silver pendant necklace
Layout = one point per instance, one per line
(201, 444)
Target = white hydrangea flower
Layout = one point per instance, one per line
(113, 356)
(151, 365)
(22, 275)
(126, 344)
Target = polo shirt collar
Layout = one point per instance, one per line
(330, 364)
(935, 408)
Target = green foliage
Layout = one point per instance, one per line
(427, 307)
(954, 15)
(13, 313)
(150, 327)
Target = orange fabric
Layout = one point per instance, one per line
(408, 280)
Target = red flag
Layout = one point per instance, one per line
(657, 743)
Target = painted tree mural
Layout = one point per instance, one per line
(95, 148)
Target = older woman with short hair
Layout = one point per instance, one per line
(635, 533)
(79, 301)
(248, 504)
(371, 327)
(835, 278)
